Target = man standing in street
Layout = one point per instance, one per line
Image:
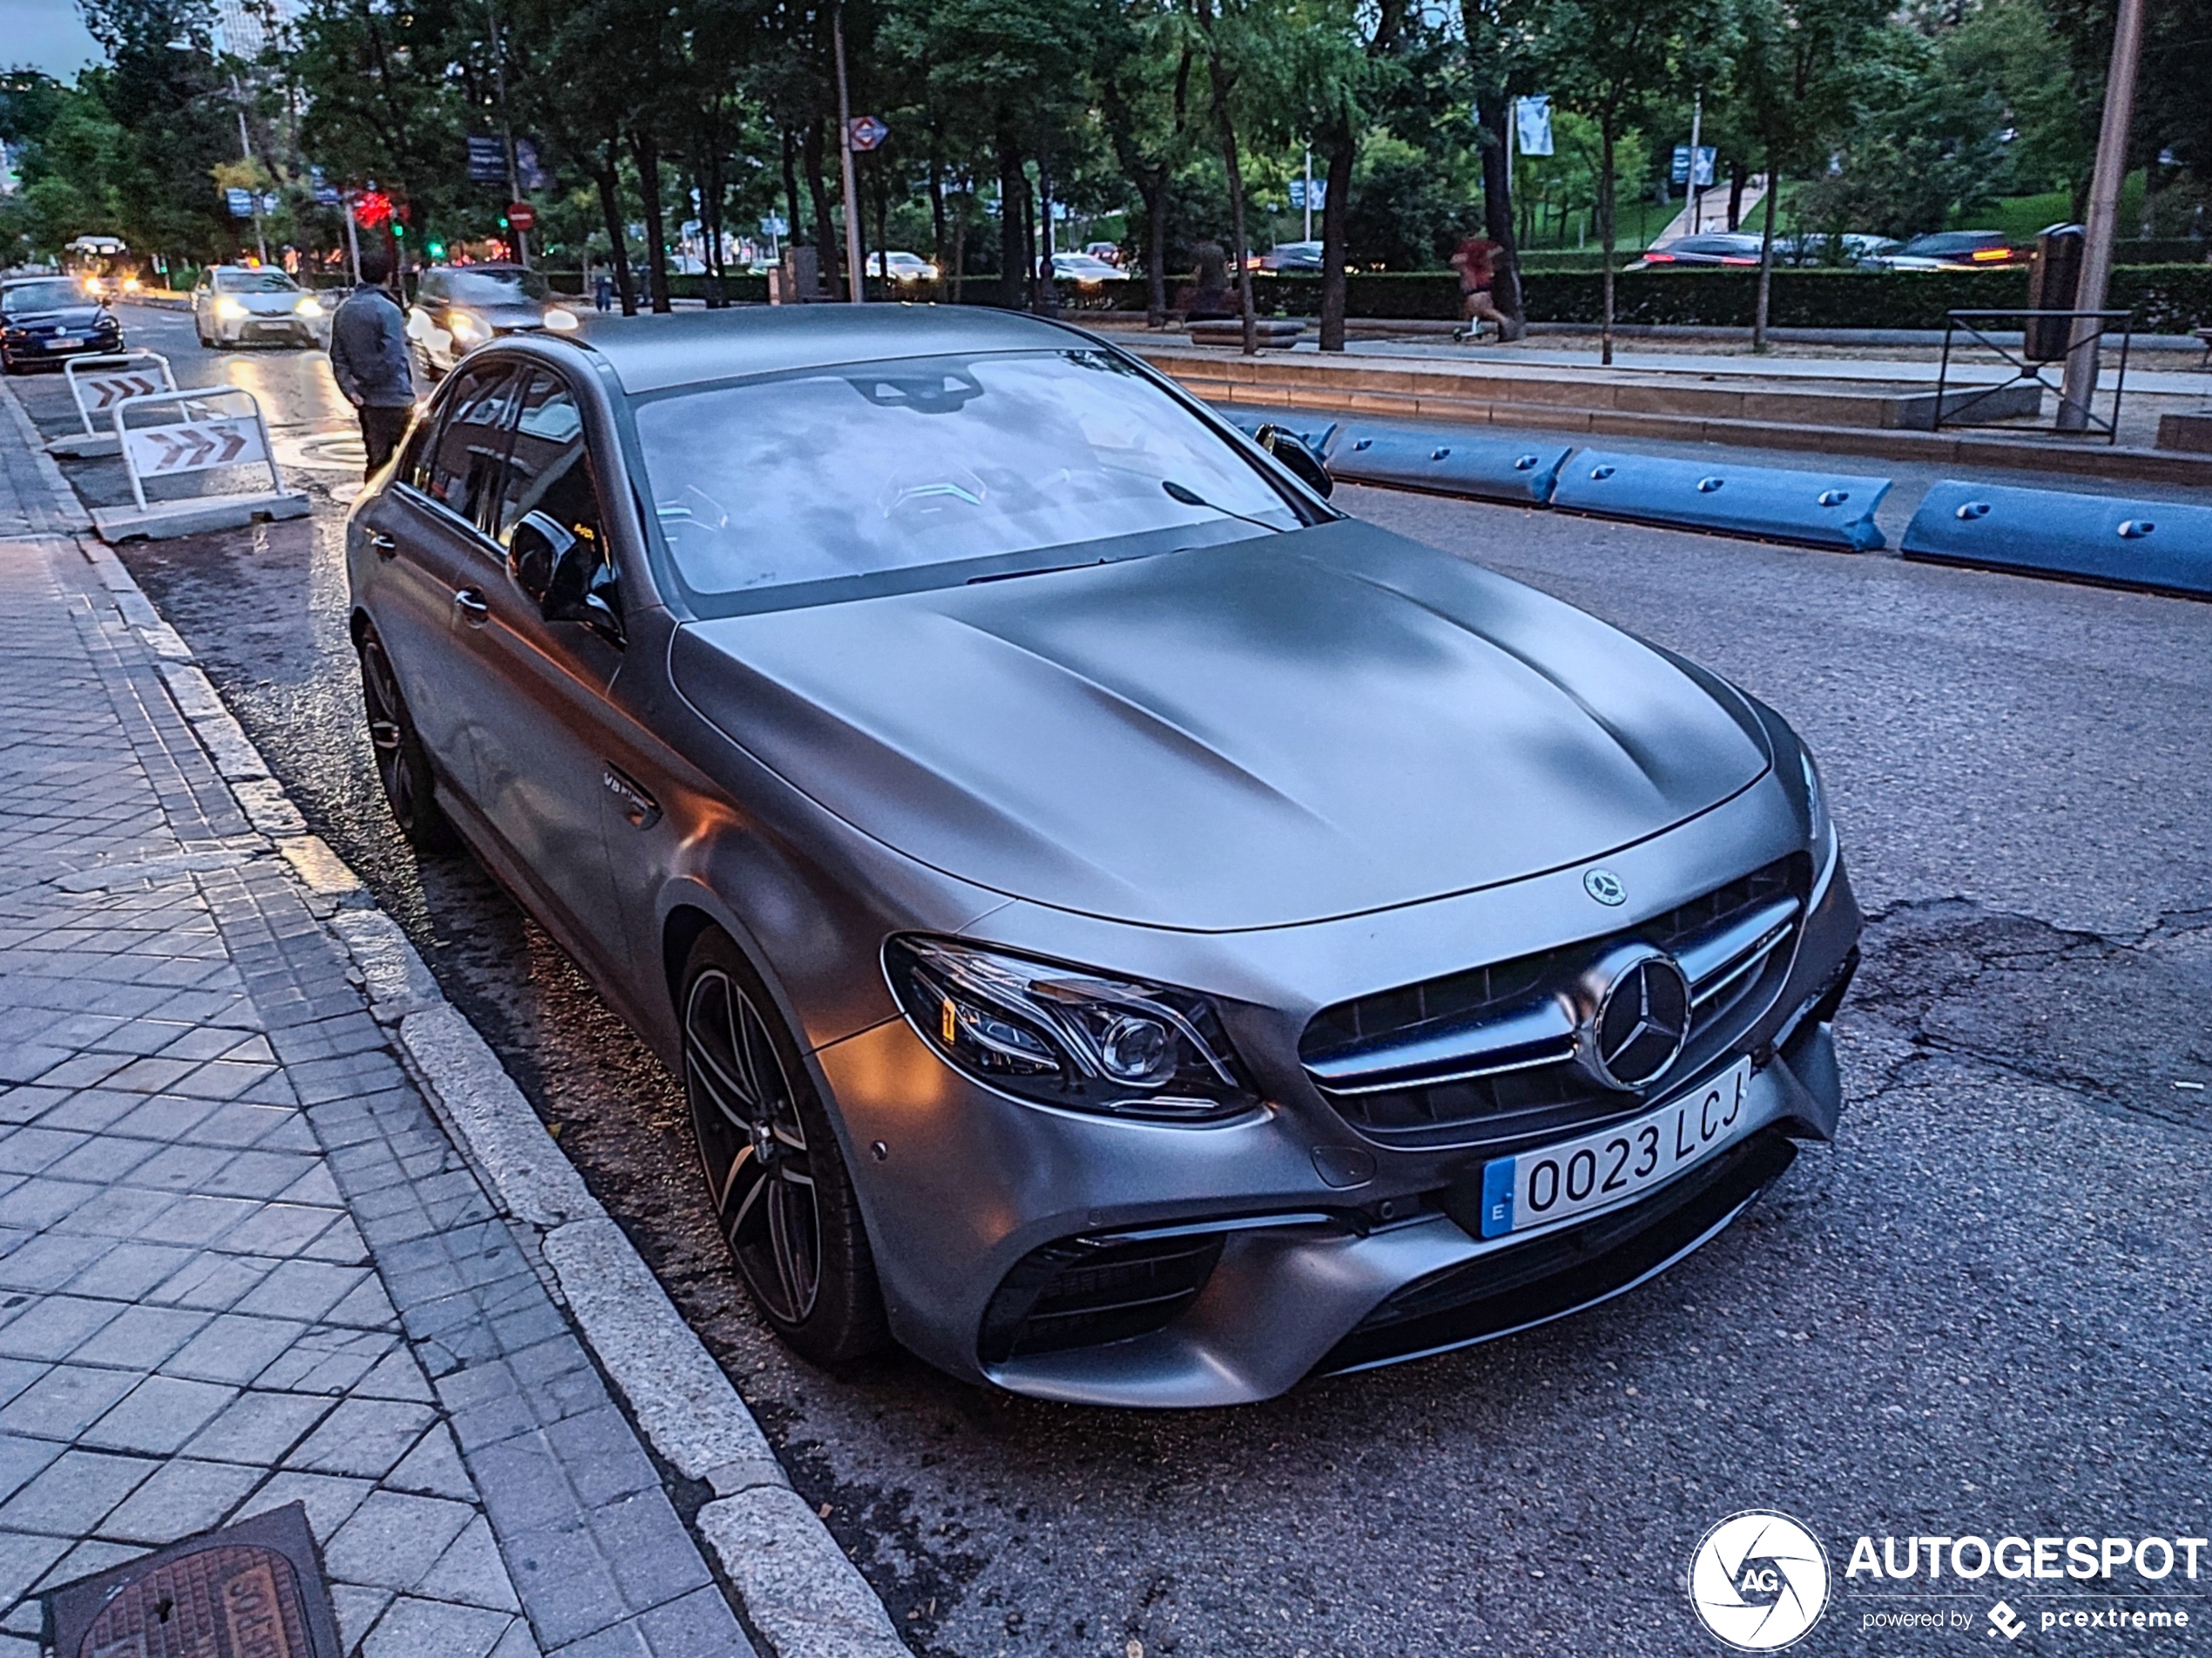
(368, 356)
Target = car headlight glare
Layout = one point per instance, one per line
(560, 319)
(1066, 1036)
(468, 327)
(229, 309)
(307, 305)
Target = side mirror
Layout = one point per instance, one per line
(563, 574)
(1297, 458)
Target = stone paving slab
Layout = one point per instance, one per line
(240, 1262)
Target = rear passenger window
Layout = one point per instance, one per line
(471, 447)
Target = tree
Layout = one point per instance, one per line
(1796, 70)
(1609, 58)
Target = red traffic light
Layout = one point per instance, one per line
(371, 208)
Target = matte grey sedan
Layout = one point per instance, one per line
(1129, 932)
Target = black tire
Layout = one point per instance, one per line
(783, 1197)
(403, 766)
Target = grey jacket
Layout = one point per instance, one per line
(369, 350)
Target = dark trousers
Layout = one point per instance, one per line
(382, 430)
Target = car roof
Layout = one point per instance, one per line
(649, 354)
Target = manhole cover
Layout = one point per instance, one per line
(252, 1590)
(322, 451)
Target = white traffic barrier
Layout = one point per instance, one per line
(96, 385)
(201, 438)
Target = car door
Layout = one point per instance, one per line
(430, 535)
(536, 690)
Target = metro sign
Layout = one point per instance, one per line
(866, 132)
(165, 451)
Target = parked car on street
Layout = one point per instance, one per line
(1085, 271)
(459, 308)
(1127, 932)
(47, 319)
(236, 305)
(1957, 250)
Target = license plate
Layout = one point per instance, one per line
(61, 339)
(1615, 1164)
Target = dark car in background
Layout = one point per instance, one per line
(45, 320)
(459, 308)
(1719, 247)
(1957, 250)
(1127, 931)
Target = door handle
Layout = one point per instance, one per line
(475, 609)
(382, 545)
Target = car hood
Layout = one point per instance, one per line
(67, 316)
(1280, 729)
(269, 305)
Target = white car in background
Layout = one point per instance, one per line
(896, 266)
(239, 304)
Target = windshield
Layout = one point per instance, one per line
(868, 468)
(497, 287)
(253, 282)
(42, 296)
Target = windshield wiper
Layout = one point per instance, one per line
(1190, 497)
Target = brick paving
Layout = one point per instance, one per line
(241, 1265)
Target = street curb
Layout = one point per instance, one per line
(800, 1591)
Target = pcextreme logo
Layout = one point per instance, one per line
(1759, 1580)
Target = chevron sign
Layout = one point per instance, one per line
(163, 451)
(97, 392)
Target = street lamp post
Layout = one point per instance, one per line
(2080, 383)
(507, 131)
(856, 285)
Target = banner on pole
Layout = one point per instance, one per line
(1679, 173)
(1532, 120)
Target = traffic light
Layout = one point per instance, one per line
(435, 250)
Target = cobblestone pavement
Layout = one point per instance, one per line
(242, 1265)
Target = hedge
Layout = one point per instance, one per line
(2164, 299)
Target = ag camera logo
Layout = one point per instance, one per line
(1759, 1580)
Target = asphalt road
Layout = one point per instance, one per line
(1982, 1311)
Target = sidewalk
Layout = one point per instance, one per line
(241, 1263)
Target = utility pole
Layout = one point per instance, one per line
(855, 282)
(2089, 294)
(245, 154)
(507, 131)
(1309, 192)
(353, 240)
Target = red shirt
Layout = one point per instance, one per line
(1477, 260)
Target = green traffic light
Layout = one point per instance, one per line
(435, 250)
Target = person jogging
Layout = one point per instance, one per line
(369, 359)
(1476, 262)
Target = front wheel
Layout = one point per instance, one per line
(782, 1197)
(402, 763)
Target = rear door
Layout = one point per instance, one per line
(434, 533)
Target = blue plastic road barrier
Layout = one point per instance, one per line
(2154, 544)
(1496, 469)
(1819, 508)
(1315, 438)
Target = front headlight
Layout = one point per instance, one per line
(1824, 826)
(229, 309)
(468, 327)
(560, 319)
(307, 306)
(1067, 1036)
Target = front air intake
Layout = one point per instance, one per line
(1079, 1292)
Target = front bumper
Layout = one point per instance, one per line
(36, 348)
(1270, 1265)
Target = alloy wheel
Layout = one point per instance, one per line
(387, 736)
(751, 1135)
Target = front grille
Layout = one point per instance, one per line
(1485, 1056)
(1079, 1292)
